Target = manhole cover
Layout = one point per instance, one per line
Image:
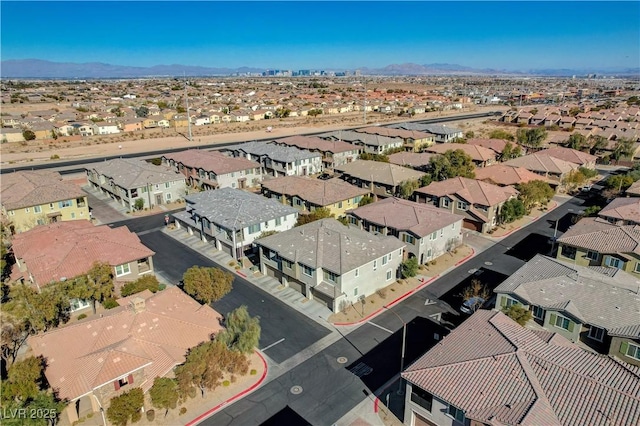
(296, 390)
(488, 263)
(342, 360)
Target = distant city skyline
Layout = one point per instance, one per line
(326, 35)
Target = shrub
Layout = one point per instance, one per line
(146, 282)
(82, 316)
(226, 383)
(138, 204)
(135, 417)
(183, 410)
(110, 303)
(253, 372)
(410, 267)
(151, 415)
(54, 157)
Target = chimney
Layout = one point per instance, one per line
(137, 304)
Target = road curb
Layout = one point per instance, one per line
(250, 389)
(520, 227)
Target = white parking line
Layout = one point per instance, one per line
(272, 345)
(380, 327)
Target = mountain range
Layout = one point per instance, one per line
(37, 68)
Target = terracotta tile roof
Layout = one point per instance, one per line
(315, 191)
(411, 159)
(501, 174)
(634, 189)
(396, 133)
(86, 355)
(476, 152)
(69, 249)
(498, 372)
(472, 190)
(622, 209)
(35, 187)
(568, 154)
(385, 173)
(542, 164)
(313, 143)
(599, 235)
(497, 145)
(421, 219)
(211, 161)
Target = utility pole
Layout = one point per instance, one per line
(400, 390)
(186, 96)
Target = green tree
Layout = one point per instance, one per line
(588, 173)
(535, 192)
(501, 134)
(622, 149)
(576, 141)
(518, 313)
(575, 111)
(25, 380)
(597, 144)
(28, 135)
(242, 332)
(410, 267)
(317, 214)
(314, 112)
(164, 394)
(407, 188)
(511, 210)
(13, 335)
(207, 285)
(199, 370)
(531, 138)
(452, 164)
(142, 111)
(41, 311)
(282, 112)
(425, 180)
(126, 407)
(382, 158)
(510, 151)
(574, 179)
(162, 105)
(592, 211)
(618, 182)
(96, 285)
(138, 204)
(145, 282)
(367, 199)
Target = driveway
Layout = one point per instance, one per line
(101, 208)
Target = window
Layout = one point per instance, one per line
(167, 196)
(73, 215)
(353, 220)
(355, 291)
(307, 270)
(287, 263)
(27, 210)
(433, 236)
(408, 238)
(596, 333)
(461, 205)
(592, 255)
(375, 265)
(568, 252)
(506, 302)
(167, 185)
(143, 189)
(254, 228)
(445, 202)
(37, 209)
(614, 262)
(298, 202)
(442, 232)
(384, 260)
(562, 322)
(637, 269)
(357, 272)
(456, 413)
(340, 205)
(330, 276)
(77, 304)
(630, 350)
(389, 275)
(66, 203)
(122, 269)
(50, 206)
(421, 397)
(157, 186)
(278, 221)
(537, 312)
(40, 221)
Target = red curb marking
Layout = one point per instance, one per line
(210, 412)
(241, 274)
(375, 405)
(460, 262)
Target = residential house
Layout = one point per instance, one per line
(65, 250)
(413, 140)
(580, 158)
(179, 121)
(202, 120)
(334, 153)
(567, 122)
(622, 211)
(42, 130)
(420, 161)
(91, 361)
(427, 231)
(553, 169)
(478, 202)
(212, 169)
(382, 179)
(278, 160)
(239, 116)
(593, 241)
(480, 155)
(131, 125)
(104, 128)
(442, 132)
(582, 304)
(127, 180)
(231, 219)
(331, 263)
(39, 197)
(309, 194)
(11, 135)
(504, 175)
(370, 143)
(633, 190)
(492, 371)
(150, 122)
(496, 145)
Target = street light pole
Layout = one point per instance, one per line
(404, 341)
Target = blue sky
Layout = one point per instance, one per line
(320, 34)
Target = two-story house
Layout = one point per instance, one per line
(37, 197)
(477, 201)
(480, 155)
(553, 169)
(231, 219)
(334, 153)
(212, 169)
(442, 132)
(127, 180)
(382, 179)
(278, 160)
(413, 140)
(308, 194)
(622, 211)
(428, 232)
(330, 262)
(370, 143)
(503, 175)
(596, 306)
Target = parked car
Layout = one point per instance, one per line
(471, 305)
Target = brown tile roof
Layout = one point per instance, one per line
(497, 145)
(498, 372)
(476, 152)
(501, 174)
(35, 187)
(396, 133)
(92, 353)
(211, 161)
(568, 154)
(599, 235)
(386, 173)
(622, 209)
(472, 190)
(68, 249)
(412, 159)
(634, 189)
(313, 143)
(542, 163)
(404, 215)
(315, 191)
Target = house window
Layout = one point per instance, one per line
(167, 185)
(614, 262)
(433, 236)
(287, 263)
(40, 221)
(307, 270)
(562, 322)
(422, 398)
(357, 274)
(340, 205)
(37, 209)
(568, 252)
(65, 203)
(596, 333)
(50, 206)
(592, 255)
(408, 238)
(445, 202)
(506, 302)
(122, 269)
(123, 382)
(77, 304)
(630, 350)
(537, 312)
(254, 228)
(27, 210)
(353, 220)
(637, 269)
(167, 196)
(355, 291)
(73, 215)
(278, 221)
(389, 275)
(375, 265)
(330, 276)
(461, 205)
(442, 232)
(384, 260)
(456, 413)
(298, 202)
